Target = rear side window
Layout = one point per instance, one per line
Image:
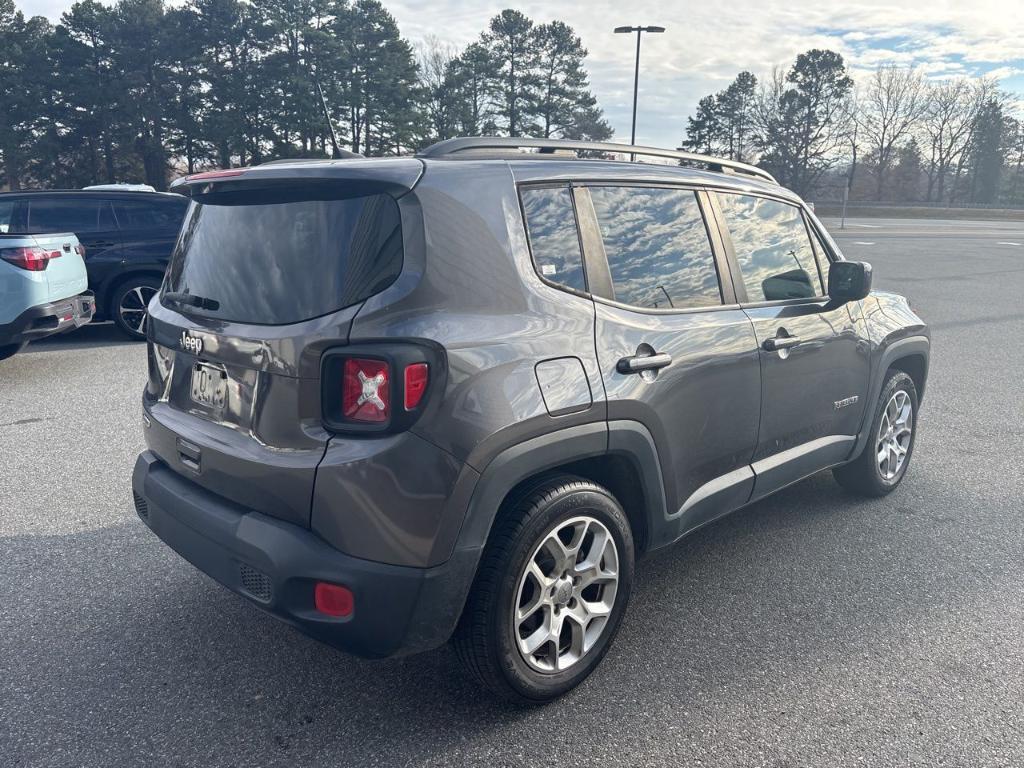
(772, 247)
(554, 240)
(141, 214)
(70, 214)
(274, 263)
(657, 245)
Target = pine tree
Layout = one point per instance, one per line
(566, 107)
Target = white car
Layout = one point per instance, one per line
(42, 288)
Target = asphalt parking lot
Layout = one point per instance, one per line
(810, 629)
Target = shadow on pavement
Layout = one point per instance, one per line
(91, 335)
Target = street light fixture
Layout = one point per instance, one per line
(636, 74)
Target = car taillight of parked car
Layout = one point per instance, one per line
(32, 258)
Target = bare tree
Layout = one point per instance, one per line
(947, 123)
(435, 60)
(893, 104)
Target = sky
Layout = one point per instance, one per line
(707, 43)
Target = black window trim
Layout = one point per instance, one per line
(520, 188)
(596, 259)
(738, 284)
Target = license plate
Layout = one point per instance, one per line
(209, 385)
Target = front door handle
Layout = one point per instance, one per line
(780, 342)
(639, 363)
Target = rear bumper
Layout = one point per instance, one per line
(47, 319)
(275, 564)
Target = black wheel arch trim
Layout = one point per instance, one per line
(910, 346)
(629, 439)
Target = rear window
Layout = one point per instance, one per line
(284, 262)
(139, 214)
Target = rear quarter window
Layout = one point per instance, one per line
(277, 262)
(554, 238)
(145, 214)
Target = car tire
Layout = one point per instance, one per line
(883, 463)
(531, 641)
(128, 303)
(10, 350)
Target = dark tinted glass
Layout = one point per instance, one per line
(657, 246)
(772, 248)
(68, 214)
(6, 214)
(277, 263)
(551, 222)
(142, 214)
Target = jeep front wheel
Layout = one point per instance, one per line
(550, 593)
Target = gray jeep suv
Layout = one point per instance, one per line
(396, 401)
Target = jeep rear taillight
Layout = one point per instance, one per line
(366, 391)
(32, 258)
(378, 388)
(416, 377)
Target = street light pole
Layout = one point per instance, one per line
(636, 72)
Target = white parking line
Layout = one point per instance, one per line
(1006, 242)
(861, 242)
(866, 226)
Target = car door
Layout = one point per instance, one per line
(815, 359)
(677, 353)
(149, 229)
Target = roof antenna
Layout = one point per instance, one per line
(327, 116)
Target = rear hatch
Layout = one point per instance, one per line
(270, 269)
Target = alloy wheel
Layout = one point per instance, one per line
(566, 594)
(894, 435)
(132, 308)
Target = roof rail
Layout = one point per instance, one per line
(475, 143)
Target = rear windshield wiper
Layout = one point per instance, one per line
(192, 300)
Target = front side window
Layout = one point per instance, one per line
(822, 253)
(772, 247)
(657, 245)
(554, 241)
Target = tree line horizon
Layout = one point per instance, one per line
(143, 91)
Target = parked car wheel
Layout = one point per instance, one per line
(10, 350)
(128, 305)
(883, 463)
(550, 593)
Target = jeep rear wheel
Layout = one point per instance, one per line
(551, 591)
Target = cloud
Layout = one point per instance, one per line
(707, 44)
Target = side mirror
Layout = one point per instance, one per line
(849, 280)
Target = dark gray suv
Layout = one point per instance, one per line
(396, 401)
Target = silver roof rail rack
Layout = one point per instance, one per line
(470, 144)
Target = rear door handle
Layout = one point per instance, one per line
(639, 363)
(780, 342)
